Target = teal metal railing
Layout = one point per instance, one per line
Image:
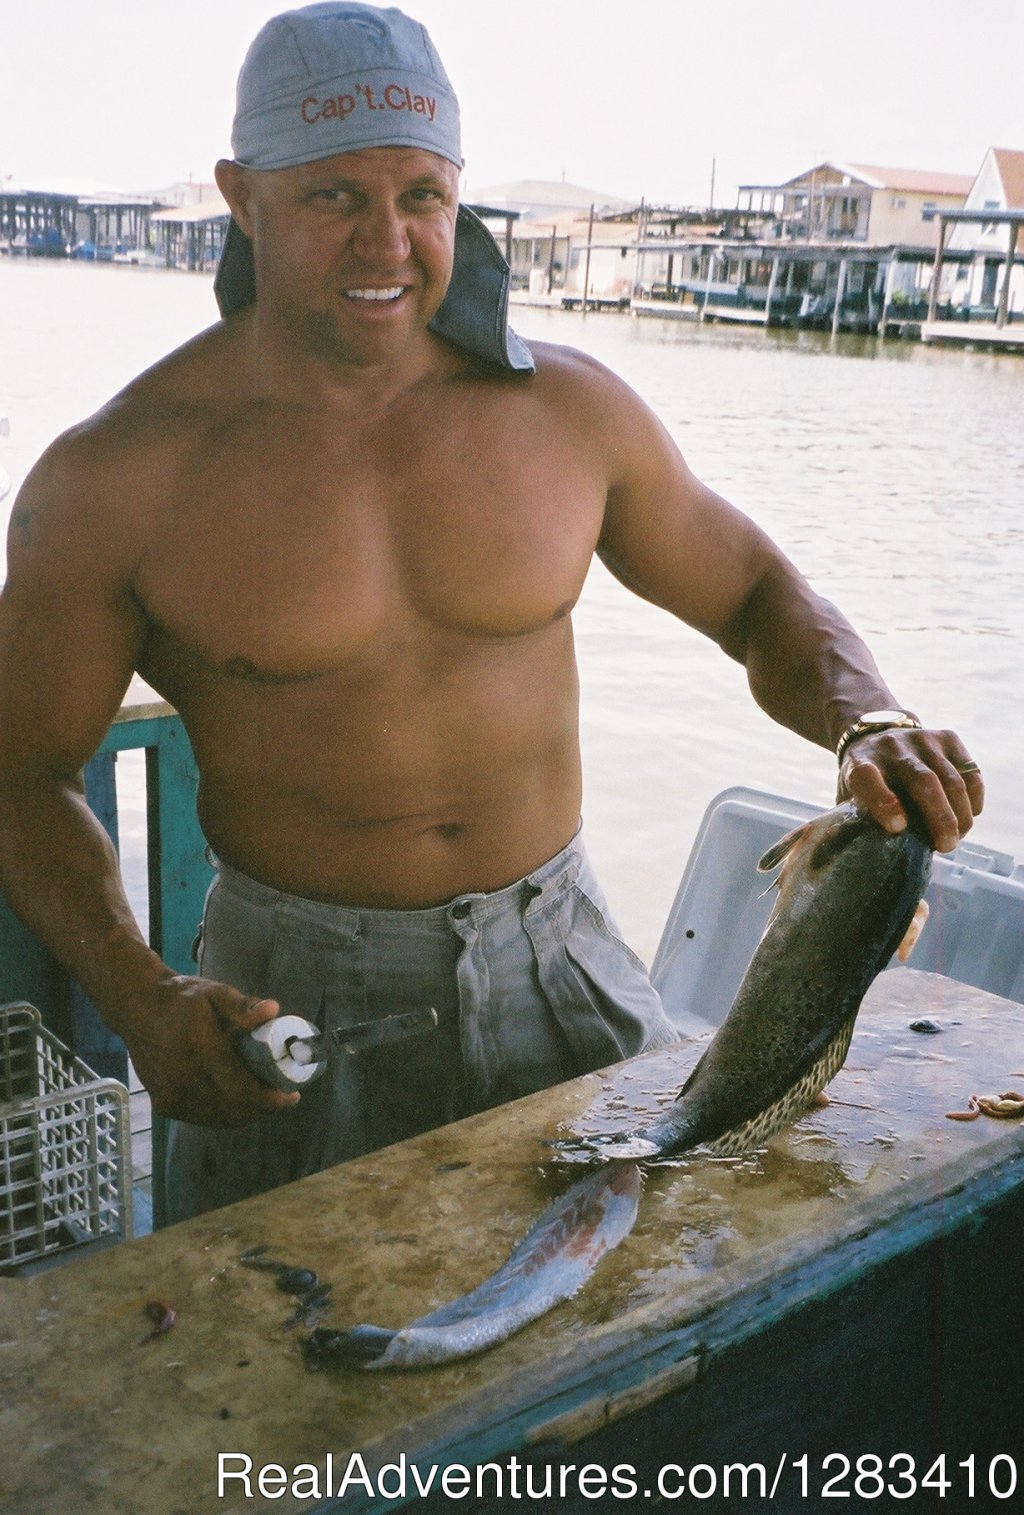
(178, 877)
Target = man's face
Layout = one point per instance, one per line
(355, 251)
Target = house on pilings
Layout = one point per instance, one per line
(842, 246)
(978, 274)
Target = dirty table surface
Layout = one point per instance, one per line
(97, 1414)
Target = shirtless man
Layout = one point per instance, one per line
(342, 532)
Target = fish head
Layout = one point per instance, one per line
(881, 875)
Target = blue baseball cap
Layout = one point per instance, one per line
(337, 77)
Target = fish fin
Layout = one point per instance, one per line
(827, 843)
(913, 931)
(358, 1345)
(836, 838)
(781, 849)
(585, 1217)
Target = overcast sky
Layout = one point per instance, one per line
(632, 99)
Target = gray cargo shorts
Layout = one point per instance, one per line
(532, 985)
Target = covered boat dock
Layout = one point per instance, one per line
(37, 222)
(831, 286)
(993, 326)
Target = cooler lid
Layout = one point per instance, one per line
(975, 932)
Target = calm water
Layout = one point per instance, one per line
(892, 473)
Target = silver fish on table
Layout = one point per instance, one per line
(551, 1263)
(849, 896)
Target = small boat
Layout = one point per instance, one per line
(140, 257)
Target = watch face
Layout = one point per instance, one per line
(878, 717)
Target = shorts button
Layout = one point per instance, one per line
(461, 910)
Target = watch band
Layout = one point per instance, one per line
(875, 720)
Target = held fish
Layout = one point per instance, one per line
(849, 894)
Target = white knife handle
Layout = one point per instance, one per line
(266, 1053)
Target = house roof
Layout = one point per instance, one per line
(546, 194)
(187, 192)
(924, 180)
(213, 209)
(1010, 164)
(70, 187)
(87, 192)
(920, 180)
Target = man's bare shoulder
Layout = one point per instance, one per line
(572, 369)
(88, 506)
(593, 397)
(124, 455)
(187, 388)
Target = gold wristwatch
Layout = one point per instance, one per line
(874, 720)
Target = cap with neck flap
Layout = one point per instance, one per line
(336, 77)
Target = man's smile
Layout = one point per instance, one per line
(376, 294)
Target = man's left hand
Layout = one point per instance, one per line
(931, 769)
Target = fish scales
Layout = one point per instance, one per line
(761, 1128)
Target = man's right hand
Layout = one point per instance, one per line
(182, 1043)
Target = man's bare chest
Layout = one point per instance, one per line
(296, 554)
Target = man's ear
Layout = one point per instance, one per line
(234, 183)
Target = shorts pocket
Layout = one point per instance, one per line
(597, 988)
(318, 975)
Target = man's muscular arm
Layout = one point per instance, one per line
(678, 544)
(70, 630)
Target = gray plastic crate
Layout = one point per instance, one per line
(65, 1146)
(975, 931)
